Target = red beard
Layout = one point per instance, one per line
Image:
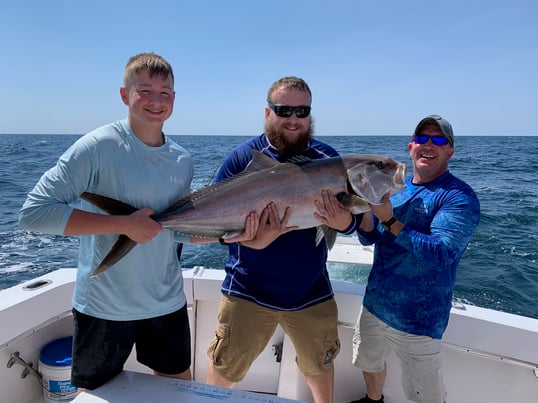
(287, 148)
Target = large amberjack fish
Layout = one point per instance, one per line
(220, 210)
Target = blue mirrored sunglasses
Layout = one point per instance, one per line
(437, 140)
(285, 111)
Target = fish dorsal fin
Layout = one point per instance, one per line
(299, 160)
(260, 161)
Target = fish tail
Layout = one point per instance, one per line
(111, 206)
(123, 245)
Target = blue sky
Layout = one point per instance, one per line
(375, 67)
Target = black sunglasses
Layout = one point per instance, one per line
(285, 111)
(437, 140)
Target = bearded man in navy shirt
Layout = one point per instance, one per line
(280, 277)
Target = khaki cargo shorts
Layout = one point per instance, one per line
(244, 329)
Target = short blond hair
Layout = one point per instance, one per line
(150, 62)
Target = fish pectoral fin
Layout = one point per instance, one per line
(122, 246)
(359, 209)
(354, 203)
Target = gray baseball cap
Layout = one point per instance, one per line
(444, 126)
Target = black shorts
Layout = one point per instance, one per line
(101, 347)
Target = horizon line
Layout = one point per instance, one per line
(252, 135)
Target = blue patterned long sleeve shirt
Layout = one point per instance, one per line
(412, 279)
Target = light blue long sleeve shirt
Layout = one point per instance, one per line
(111, 161)
(412, 279)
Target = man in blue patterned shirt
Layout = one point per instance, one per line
(420, 235)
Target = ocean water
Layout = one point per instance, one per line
(499, 270)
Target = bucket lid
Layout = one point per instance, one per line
(57, 353)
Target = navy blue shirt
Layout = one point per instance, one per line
(412, 279)
(291, 272)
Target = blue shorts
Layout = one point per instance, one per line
(101, 347)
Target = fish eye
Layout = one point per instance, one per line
(379, 165)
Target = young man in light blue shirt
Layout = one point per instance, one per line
(139, 300)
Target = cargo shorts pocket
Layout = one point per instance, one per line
(330, 354)
(219, 344)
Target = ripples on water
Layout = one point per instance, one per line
(499, 270)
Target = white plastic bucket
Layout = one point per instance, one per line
(55, 369)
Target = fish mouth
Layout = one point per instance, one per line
(399, 176)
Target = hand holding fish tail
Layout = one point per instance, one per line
(270, 227)
(140, 227)
(331, 212)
